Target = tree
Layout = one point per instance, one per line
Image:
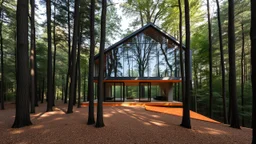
(253, 66)
(210, 56)
(78, 68)
(2, 57)
(99, 121)
(73, 60)
(181, 53)
(54, 56)
(32, 57)
(91, 66)
(242, 73)
(222, 64)
(186, 103)
(234, 118)
(69, 53)
(49, 65)
(22, 117)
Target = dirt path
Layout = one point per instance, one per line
(124, 125)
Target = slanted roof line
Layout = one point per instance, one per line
(137, 32)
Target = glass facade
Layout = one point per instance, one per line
(143, 56)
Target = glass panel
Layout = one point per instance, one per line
(145, 91)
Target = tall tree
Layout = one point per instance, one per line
(69, 53)
(186, 103)
(210, 56)
(73, 60)
(22, 117)
(2, 57)
(91, 66)
(253, 67)
(234, 118)
(54, 55)
(242, 73)
(223, 90)
(78, 68)
(99, 121)
(32, 57)
(49, 65)
(181, 53)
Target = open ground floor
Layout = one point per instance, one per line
(137, 90)
(123, 124)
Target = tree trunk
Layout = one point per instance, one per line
(54, 57)
(234, 118)
(84, 85)
(32, 57)
(2, 59)
(253, 67)
(42, 98)
(91, 66)
(222, 65)
(69, 54)
(22, 117)
(49, 66)
(186, 103)
(181, 53)
(242, 74)
(78, 69)
(210, 57)
(73, 68)
(99, 121)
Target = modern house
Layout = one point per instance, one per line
(144, 66)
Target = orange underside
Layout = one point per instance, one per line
(178, 112)
(162, 104)
(137, 81)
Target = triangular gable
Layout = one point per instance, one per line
(151, 30)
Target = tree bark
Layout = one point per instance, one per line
(91, 66)
(42, 98)
(73, 60)
(78, 69)
(49, 66)
(54, 57)
(234, 118)
(253, 67)
(22, 117)
(186, 103)
(222, 65)
(210, 57)
(242, 74)
(69, 54)
(2, 59)
(99, 121)
(181, 53)
(32, 57)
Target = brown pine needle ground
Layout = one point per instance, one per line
(124, 125)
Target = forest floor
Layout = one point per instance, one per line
(123, 124)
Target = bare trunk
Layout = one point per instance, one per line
(253, 67)
(49, 66)
(91, 68)
(242, 74)
(54, 57)
(99, 121)
(2, 59)
(222, 66)
(210, 57)
(22, 117)
(234, 118)
(186, 103)
(73, 68)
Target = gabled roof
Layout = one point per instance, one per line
(147, 29)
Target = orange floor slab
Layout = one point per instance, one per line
(178, 112)
(161, 104)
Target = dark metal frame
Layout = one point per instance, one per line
(123, 92)
(149, 92)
